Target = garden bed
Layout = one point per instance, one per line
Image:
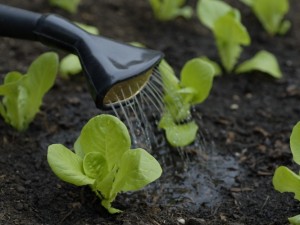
(224, 178)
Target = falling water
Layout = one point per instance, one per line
(192, 177)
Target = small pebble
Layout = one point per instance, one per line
(249, 95)
(234, 106)
(181, 220)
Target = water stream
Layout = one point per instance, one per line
(192, 176)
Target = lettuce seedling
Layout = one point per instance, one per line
(285, 180)
(104, 161)
(70, 64)
(271, 14)
(179, 96)
(165, 10)
(23, 94)
(229, 32)
(68, 5)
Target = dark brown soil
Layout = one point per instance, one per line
(240, 148)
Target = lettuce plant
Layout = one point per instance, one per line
(179, 96)
(70, 64)
(271, 14)
(104, 161)
(225, 23)
(230, 35)
(23, 94)
(284, 179)
(68, 5)
(165, 10)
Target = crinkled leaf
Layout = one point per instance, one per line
(271, 13)
(216, 67)
(165, 10)
(295, 143)
(230, 34)
(10, 85)
(228, 28)
(100, 135)
(68, 5)
(198, 75)
(11, 110)
(176, 105)
(285, 180)
(24, 94)
(295, 220)
(67, 165)
(137, 169)
(94, 165)
(169, 79)
(39, 79)
(263, 61)
(209, 11)
(229, 54)
(178, 135)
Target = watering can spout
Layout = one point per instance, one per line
(115, 71)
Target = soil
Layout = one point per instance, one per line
(225, 177)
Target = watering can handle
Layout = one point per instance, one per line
(18, 23)
(49, 29)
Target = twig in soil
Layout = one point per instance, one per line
(66, 216)
(236, 189)
(265, 203)
(264, 173)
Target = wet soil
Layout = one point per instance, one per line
(223, 178)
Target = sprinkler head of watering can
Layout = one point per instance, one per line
(116, 72)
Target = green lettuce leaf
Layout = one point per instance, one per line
(271, 14)
(95, 166)
(23, 94)
(197, 75)
(137, 169)
(295, 143)
(100, 135)
(178, 135)
(295, 220)
(68, 5)
(285, 180)
(67, 165)
(263, 61)
(209, 11)
(215, 65)
(230, 34)
(165, 10)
